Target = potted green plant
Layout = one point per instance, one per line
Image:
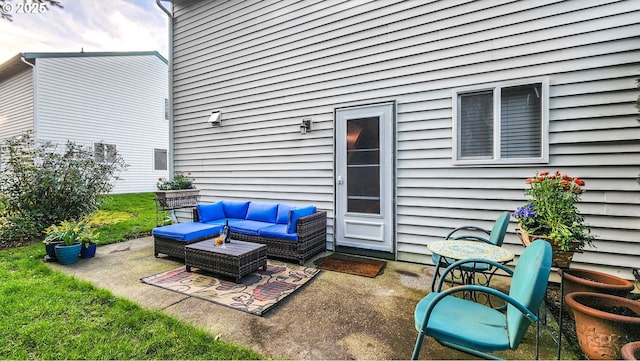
(88, 240)
(552, 214)
(72, 234)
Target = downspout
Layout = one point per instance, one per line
(35, 93)
(170, 157)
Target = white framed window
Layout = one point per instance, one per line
(159, 159)
(504, 123)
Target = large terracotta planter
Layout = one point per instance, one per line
(560, 258)
(631, 351)
(584, 280)
(601, 332)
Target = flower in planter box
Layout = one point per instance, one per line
(179, 181)
(552, 211)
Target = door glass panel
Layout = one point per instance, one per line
(363, 165)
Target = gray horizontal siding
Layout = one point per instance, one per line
(115, 100)
(268, 64)
(16, 107)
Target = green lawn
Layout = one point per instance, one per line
(125, 216)
(46, 314)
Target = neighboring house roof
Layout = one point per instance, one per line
(16, 64)
(13, 66)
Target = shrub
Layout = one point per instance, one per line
(42, 184)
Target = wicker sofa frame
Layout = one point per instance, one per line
(312, 239)
(172, 248)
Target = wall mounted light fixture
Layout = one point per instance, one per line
(215, 118)
(305, 126)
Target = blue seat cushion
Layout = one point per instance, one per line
(233, 209)
(248, 226)
(295, 214)
(464, 323)
(210, 212)
(263, 212)
(283, 213)
(278, 231)
(184, 232)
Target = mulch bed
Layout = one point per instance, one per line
(4, 245)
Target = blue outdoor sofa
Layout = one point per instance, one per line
(290, 232)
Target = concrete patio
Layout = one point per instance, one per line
(336, 316)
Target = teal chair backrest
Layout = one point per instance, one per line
(499, 229)
(528, 286)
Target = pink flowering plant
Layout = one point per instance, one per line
(180, 181)
(552, 211)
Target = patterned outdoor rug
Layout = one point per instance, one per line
(256, 293)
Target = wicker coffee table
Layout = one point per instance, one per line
(235, 259)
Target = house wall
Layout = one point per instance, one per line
(268, 64)
(16, 105)
(107, 99)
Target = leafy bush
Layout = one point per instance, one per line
(42, 184)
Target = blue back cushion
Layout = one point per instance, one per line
(235, 209)
(210, 212)
(295, 214)
(262, 212)
(283, 213)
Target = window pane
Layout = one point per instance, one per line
(475, 128)
(521, 121)
(363, 165)
(110, 150)
(160, 159)
(98, 150)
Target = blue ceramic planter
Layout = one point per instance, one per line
(68, 254)
(88, 251)
(51, 250)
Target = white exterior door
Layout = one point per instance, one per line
(364, 177)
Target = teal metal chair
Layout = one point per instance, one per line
(495, 237)
(478, 329)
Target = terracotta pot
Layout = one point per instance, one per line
(631, 351)
(584, 280)
(601, 333)
(560, 258)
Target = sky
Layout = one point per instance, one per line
(92, 25)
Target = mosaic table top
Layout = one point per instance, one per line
(461, 249)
